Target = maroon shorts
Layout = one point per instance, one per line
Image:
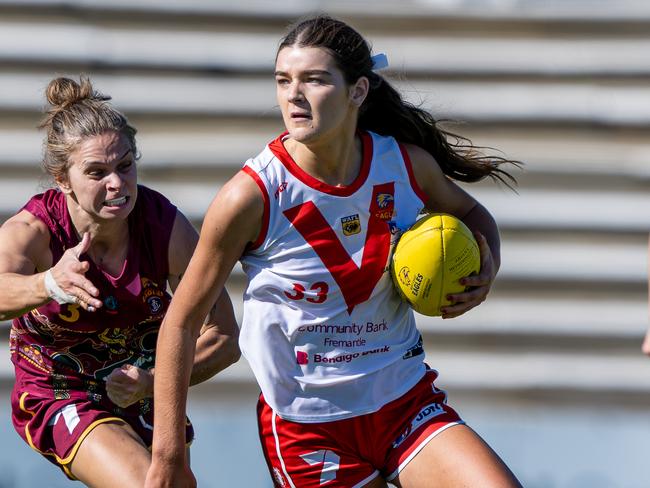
(352, 452)
(56, 428)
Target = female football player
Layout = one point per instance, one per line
(84, 270)
(347, 399)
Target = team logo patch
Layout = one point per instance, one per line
(155, 304)
(384, 200)
(385, 205)
(279, 479)
(351, 225)
(152, 295)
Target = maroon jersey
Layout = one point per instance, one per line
(65, 352)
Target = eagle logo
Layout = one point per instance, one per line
(384, 200)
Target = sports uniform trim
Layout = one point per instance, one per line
(277, 448)
(409, 169)
(278, 149)
(73, 452)
(265, 215)
(365, 481)
(421, 446)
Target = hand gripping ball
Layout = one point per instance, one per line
(430, 258)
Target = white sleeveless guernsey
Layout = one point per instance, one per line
(324, 330)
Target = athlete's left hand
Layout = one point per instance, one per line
(128, 384)
(478, 285)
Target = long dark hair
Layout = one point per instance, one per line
(385, 112)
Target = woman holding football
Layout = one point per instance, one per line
(84, 270)
(347, 399)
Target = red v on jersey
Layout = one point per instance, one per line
(356, 283)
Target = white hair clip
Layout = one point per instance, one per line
(379, 61)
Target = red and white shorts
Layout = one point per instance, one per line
(351, 452)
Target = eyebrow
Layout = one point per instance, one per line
(90, 163)
(306, 72)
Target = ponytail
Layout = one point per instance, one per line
(385, 112)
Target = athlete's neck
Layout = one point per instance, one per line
(109, 240)
(335, 161)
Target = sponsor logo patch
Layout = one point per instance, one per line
(279, 479)
(415, 350)
(427, 413)
(302, 357)
(110, 304)
(392, 227)
(281, 187)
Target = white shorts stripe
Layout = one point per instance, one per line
(403, 464)
(364, 482)
(277, 449)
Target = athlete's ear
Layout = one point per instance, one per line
(63, 184)
(359, 91)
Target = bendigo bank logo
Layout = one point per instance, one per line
(302, 357)
(351, 225)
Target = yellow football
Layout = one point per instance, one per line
(430, 258)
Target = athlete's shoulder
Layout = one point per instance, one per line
(244, 191)
(422, 161)
(27, 224)
(47, 206)
(151, 197)
(273, 152)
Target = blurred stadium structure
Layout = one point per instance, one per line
(549, 369)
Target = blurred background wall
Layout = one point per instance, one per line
(549, 369)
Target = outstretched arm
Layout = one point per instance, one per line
(24, 251)
(447, 197)
(232, 221)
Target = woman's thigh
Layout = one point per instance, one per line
(111, 455)
(456, 457)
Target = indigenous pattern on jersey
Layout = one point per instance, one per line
(324, 329)
(63, 352)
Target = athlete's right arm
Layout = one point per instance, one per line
(24, 250)
(233, 220)
(23, 239)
